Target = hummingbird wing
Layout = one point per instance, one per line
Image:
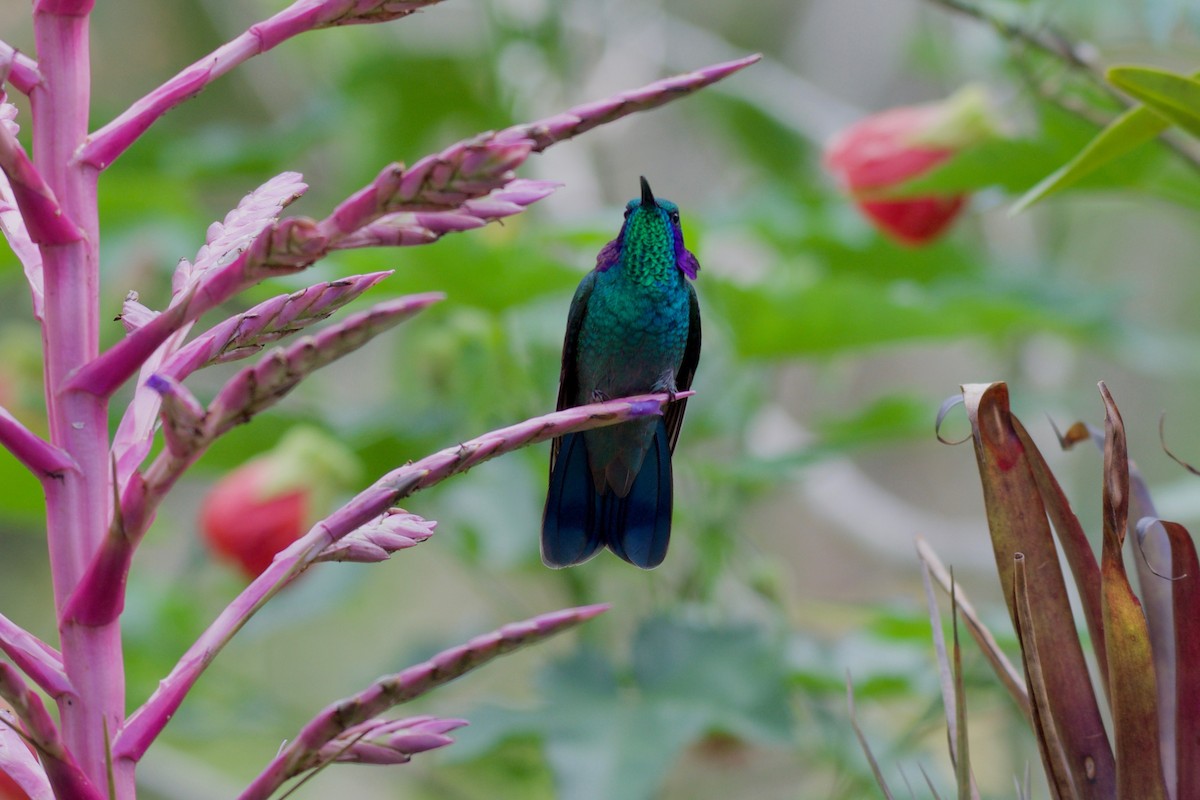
(570, 533)
(687, 369)
(568, 377)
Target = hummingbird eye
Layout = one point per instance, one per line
(674, 215)
(628, 211)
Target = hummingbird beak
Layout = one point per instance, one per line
(647, 195)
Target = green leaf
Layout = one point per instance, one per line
(1068, 152)
(1174, 96)
(1127, 132)
(1134, 128)
(839, 314)
(1011, 164)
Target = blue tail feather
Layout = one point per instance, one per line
(569, 531)
(578, 521)
(638, 527)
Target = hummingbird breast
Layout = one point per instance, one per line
(633, 337)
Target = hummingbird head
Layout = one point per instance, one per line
(650, 215)
(650, 224)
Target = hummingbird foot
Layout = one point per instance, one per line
(666, 383)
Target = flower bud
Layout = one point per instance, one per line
(886, 150)
(270, 501)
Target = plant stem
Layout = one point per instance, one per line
(77, 505)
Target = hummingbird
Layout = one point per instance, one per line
(633, 328)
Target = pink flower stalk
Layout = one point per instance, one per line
(240, 226)
(100, 494)
(885, 150)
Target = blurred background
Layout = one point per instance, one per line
(808, 462)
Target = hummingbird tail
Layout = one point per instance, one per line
(637, 527)
(577, 521)
(570, 533)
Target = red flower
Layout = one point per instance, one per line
(885, 150)
(245, 522)
(269, 502)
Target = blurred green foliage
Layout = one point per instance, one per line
(720, 672)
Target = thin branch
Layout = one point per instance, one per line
(1012, 679)
(1080, 58)
(17, 69)
(247, 333)
(148, 721)
(37, 455)
(45, 219)
(1048, 41)
(38, 660)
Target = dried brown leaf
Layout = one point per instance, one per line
(1059, 774)
(862, 741)
(1133, 693)
(1008, 674)
(1186, 689)
(1069, 712)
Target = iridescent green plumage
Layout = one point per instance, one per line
(633, 327)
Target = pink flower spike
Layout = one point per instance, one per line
(261, 386)
(269, 321)
(378, 539)
(182, 414)
(133, 314)
(405, 228)
(241, 226)
(381, 741)
(575, 121)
